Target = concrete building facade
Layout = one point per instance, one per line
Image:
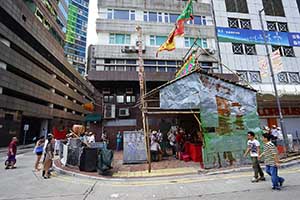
(39, 89)
(75, 47)
(115, 73)
(239, 19)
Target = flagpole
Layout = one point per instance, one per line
(285, 138)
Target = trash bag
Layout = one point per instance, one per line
(105, 159)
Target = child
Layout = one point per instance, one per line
(271, 161)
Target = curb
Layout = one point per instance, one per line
(200, 172)
(248, 169)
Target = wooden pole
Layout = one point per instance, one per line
(142, 93)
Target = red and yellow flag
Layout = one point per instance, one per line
(169, 44)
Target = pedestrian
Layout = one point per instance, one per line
(179, 142)
(155, 150)
(48, 157)
(91, 138)
(172, 140)
(253, 147)
(38, 150)
(272, 162)
(275, 134)
(11, 154)
(119, 140)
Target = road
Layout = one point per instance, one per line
(22, 183)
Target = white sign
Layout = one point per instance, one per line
(26, 127)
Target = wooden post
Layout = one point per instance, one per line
(142, 94)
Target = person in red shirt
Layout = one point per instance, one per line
(179, 141)
(11, 154)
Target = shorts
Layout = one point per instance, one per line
(39, 153)
(12, 158)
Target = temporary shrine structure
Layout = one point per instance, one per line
(227, 112)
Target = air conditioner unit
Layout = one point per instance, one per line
(106, 90)
(125, 49)
(124, 112)
(129, 90)
(109, 111)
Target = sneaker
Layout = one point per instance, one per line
(254, 180)
(276, 188)
(262, 179)
(281, 183)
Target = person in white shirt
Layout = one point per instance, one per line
(155, 150)
(91, 138)
(253, 147)
(275, 134)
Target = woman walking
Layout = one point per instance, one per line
(48, 157)
(38, 150)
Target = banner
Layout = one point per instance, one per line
(276, 61)
(256, 37)
(264, 67)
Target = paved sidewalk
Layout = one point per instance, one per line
(167, 167)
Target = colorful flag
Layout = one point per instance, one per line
(187, 67)
(186, 15)
(276, 61)
(169, 44)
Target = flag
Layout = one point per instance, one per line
(187, 67)
(169, 44)
(276, 61)
(263, 66)
(187, 14)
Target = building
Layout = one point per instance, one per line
(75, 47)
(241, 48)
(91, 62)
(39, 89)
(115, 74)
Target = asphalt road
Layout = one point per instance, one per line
(22, 183)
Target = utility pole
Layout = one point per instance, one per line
(285, 138)
(142, 95)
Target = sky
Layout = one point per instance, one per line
(91, 30)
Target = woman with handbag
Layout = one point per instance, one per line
(38, 150)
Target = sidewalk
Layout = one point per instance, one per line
(167, 167)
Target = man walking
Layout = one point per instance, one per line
(272, 162)
(11, 154)
(254, 149)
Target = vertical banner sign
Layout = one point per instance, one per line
(276, 61)
(263, 66)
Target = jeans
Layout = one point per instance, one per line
(273, 172)
(256, 167)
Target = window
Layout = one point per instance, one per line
(157, 40)
(294, 77)
(277, 26)
(39, 15)
(236, 6)
(8, 117)
(120, 14)
(251, 76)
(120, 99)
(115, 38)
(289, 77)
(284, 51)
(130, 99)
(167, 17)
(237, 48)
(273, 7)
(283, 77)
(188, 42)
(239, 23)
(248, 49)
(173, 18)
(159, 17)
(108, 99)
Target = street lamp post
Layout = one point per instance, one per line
(285, 138)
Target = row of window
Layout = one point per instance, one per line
(135, 68)
(271, 7)
(152, 16)
(155, 40)
(249, 49)
(246, 24)
(282, 77)
(119, 99)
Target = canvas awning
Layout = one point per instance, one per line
(93, 117)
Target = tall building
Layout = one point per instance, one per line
(39, 89)
(75, 46)
(242, 47)
(91, 62)
(115, 73)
